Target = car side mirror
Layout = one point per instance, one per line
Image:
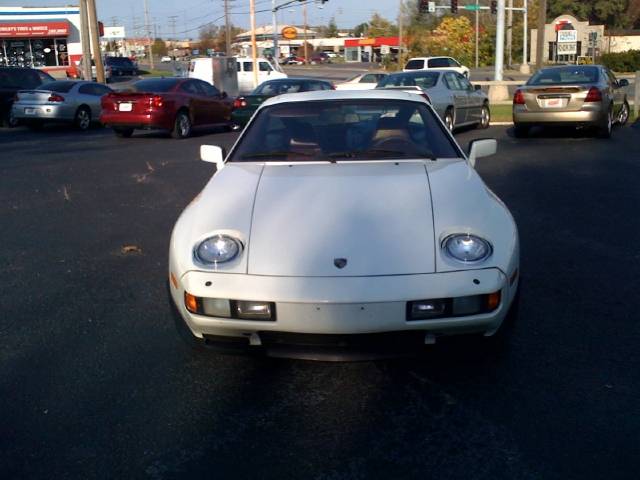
(477, 87)
(623, 83)
(213, 154)
(482, 148)
(224, 95)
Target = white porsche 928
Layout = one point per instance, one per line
(343, 224)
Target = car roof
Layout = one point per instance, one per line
(296, 79)
(427, 58)
(344, 95)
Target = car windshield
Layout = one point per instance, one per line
(423, 80)
(156, 85)
(334, 130)
(121, 61)
(60, 87)
(279, 87)
(565, 76)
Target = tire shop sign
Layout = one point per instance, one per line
(43, 29)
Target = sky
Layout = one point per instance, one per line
(191, 14)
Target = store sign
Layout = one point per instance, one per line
(43, 29)
(290, 33)
(111, 33)
(567, 48)
(567, 36)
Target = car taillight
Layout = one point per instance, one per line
(333, 87)
(156, 101)
(55, 98)
(239, 103)
(518, 98)
(594, 95)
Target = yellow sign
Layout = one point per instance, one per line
(290, 33)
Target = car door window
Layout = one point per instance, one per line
(464, 83)
(247, 66)
(453, 63)
(264, 67)
(190, 87)
(369, 78)
(86, 89)
(208, 89)
(268, 89)
(451, 81)
(611, 77)
(314, 86)
(101, 89)
(438, 63)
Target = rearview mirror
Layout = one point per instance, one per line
(482, 148)
(212, 154)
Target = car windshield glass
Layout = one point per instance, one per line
(156, 85)
(414, 65)
(60, 87)
(331, 130)
(18, 78)
(565, 76)
(122, 61)
(422, 80)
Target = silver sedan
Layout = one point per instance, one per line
(69, 101)
(457, 102)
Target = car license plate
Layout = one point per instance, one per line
(125, 107)
(29, 111)
(553, 103)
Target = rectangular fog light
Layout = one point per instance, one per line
(216, 307)
(249, 310)
(468, 305)
(426, 309)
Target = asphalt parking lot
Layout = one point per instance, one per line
(96, 383)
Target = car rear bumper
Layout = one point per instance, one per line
(357, 315)
(43, 112)
(595, 116)
(154, 120)
(242, 117)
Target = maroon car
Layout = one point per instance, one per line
(175, 104)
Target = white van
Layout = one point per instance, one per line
(266, 71)
(218, 71)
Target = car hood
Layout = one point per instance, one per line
(373, 219)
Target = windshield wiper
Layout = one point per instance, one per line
(375, 151)
(275, 154)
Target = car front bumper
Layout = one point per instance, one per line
(24, 111)
(593, 116)
(342, 309)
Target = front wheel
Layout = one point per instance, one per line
(623, 116)
(182, 126)
(485, 117)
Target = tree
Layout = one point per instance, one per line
(332, 29)
(214, 37)
(381, 27)
(361, 30)
(159, 47)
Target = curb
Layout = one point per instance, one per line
(500, 124)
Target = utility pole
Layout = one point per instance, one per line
(542, 21)
(148, 33)
(509, 33)
(274, 20)
(172, 24)
(95, 37)
(477, 34)
(86, 41)
(254, 48)
(400, 32)
(227, 30)
(114, 21)
(306, 53)
(524, 66)
(499, 42)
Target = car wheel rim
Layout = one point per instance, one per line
(184, 125)
(624, 114)
(13, 121)
(610, 121)
(485, 117)
(83, 119)
(449, 122)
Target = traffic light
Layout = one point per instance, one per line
(494, 7)
(454, 6)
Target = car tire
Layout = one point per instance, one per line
(520, 131)
(9, 120)
(623, 116)
(605, 130)
(449, 119)
(123, 132)
(485, 117)
(181, 126)
(82, 118)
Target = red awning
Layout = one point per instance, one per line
(34, 29)
(372, 42)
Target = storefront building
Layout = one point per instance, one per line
(370, 49)
(566, 38)
(47, 38)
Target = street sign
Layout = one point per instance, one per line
(290, 33)
(567, 36)
(431, 7)
(472, 7)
